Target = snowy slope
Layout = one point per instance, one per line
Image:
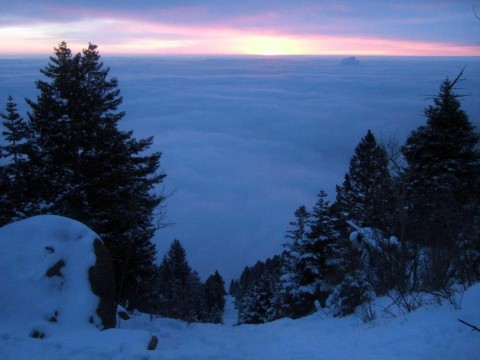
(230, 315)
(430, 333)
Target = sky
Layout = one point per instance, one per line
(251, 27)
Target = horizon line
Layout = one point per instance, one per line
(241, 55)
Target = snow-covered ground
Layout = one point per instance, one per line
(431, 332)
(59, 307)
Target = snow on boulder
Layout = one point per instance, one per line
(55, 274)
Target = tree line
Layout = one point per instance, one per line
(405, 221)
(180, 294)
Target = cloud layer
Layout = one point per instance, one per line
(246, 141)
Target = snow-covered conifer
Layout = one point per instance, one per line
(84, 167)
(365, 195)
(15, 172)
(443, 178)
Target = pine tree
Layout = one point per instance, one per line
(16, 134)
(353, 291)
(247, 298)
(314, 252)
(443, 163)
(329, 245)
(243, 284)
(174, 274)
(365, 196)
(196, 305)
(232, 289)
(442, 182)
(257, 304)
(50, 122)
(312, 259)
(272, 276)
(214, 298)
(179, 290)
(86, 168)
(293, 301)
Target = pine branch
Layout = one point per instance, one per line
(474, 328)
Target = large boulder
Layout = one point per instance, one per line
(102, 282)
(55, 273)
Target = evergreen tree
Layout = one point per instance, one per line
(353, 291)
(50, 122)
(16, 134)
(256, 303)
(315, 252)
(259, 301)
(244, 298)
(365, 196)
(293, 301)
(243, 283)
(179, 291)
(326, 241)
(174, 279)
(214, 298)
(312, 259)
(14, 172)
(442, 182)
(196, 302)
(232, 289)
(85, 168)
(272, 276)
(300, 228)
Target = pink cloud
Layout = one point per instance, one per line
(124, 35)
(387, 47)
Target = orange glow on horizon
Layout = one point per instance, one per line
(127, 37)
(271, 45)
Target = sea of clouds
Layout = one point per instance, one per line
(246, 140)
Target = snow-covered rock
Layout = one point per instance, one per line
(55, 274)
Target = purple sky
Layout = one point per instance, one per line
(267, 27)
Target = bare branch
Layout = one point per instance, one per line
(474, 328)
(475, 12)
(396, 161)
(458, 78)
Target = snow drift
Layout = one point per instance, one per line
(49, 266)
